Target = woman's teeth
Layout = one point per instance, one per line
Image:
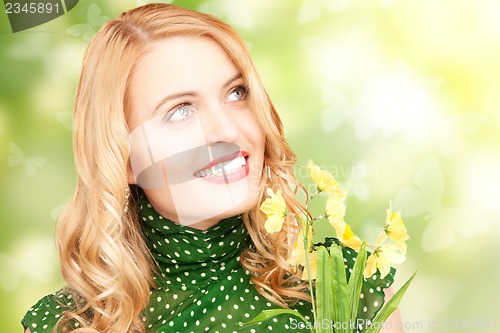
(223, 167)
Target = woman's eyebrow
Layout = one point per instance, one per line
(172, 97)
(231, 80)
(193, 93)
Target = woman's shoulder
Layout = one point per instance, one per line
(45, 314)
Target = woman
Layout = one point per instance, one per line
(175, 142)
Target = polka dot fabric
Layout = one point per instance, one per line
(45, 314)
(200, 283)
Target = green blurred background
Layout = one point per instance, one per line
(399, 99)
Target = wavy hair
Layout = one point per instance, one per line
(104, 259)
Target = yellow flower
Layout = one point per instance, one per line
(324, 180)
(382, 258)
(396, 230)
(349, 239)
(275, 209)
(298, 256)
(335, 211)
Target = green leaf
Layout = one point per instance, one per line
(389, 307)
(324, 292)
(339, 286)
(354, 286)
(268, 314)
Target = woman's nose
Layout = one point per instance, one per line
(219, 125)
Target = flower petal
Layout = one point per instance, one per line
(349, 239)
(371, 266)
(395, 227)
(335, 211)
(312, 267)
(275, 209)
(383, 264)
(382, 236)
(392, 254)
(324, 180)
(273, 223)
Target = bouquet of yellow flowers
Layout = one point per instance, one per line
(335, 288)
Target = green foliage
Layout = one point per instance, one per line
(389, 307)
(337, 300)
(268, 314)
(355, 284)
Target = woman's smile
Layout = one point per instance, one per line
(225, 169)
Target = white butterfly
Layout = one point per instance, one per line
(446, 224)
(88, 30)
(31, 164)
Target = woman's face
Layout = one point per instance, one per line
(197, 149)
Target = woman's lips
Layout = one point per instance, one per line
(226, 169)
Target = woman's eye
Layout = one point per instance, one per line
(180, 113)
(237, 94)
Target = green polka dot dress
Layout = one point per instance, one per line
(200, 284)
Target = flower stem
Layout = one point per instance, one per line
(314, 194)
(307, 225)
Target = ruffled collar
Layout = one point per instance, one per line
(189, 257)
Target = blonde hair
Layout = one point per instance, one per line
(104, 259)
